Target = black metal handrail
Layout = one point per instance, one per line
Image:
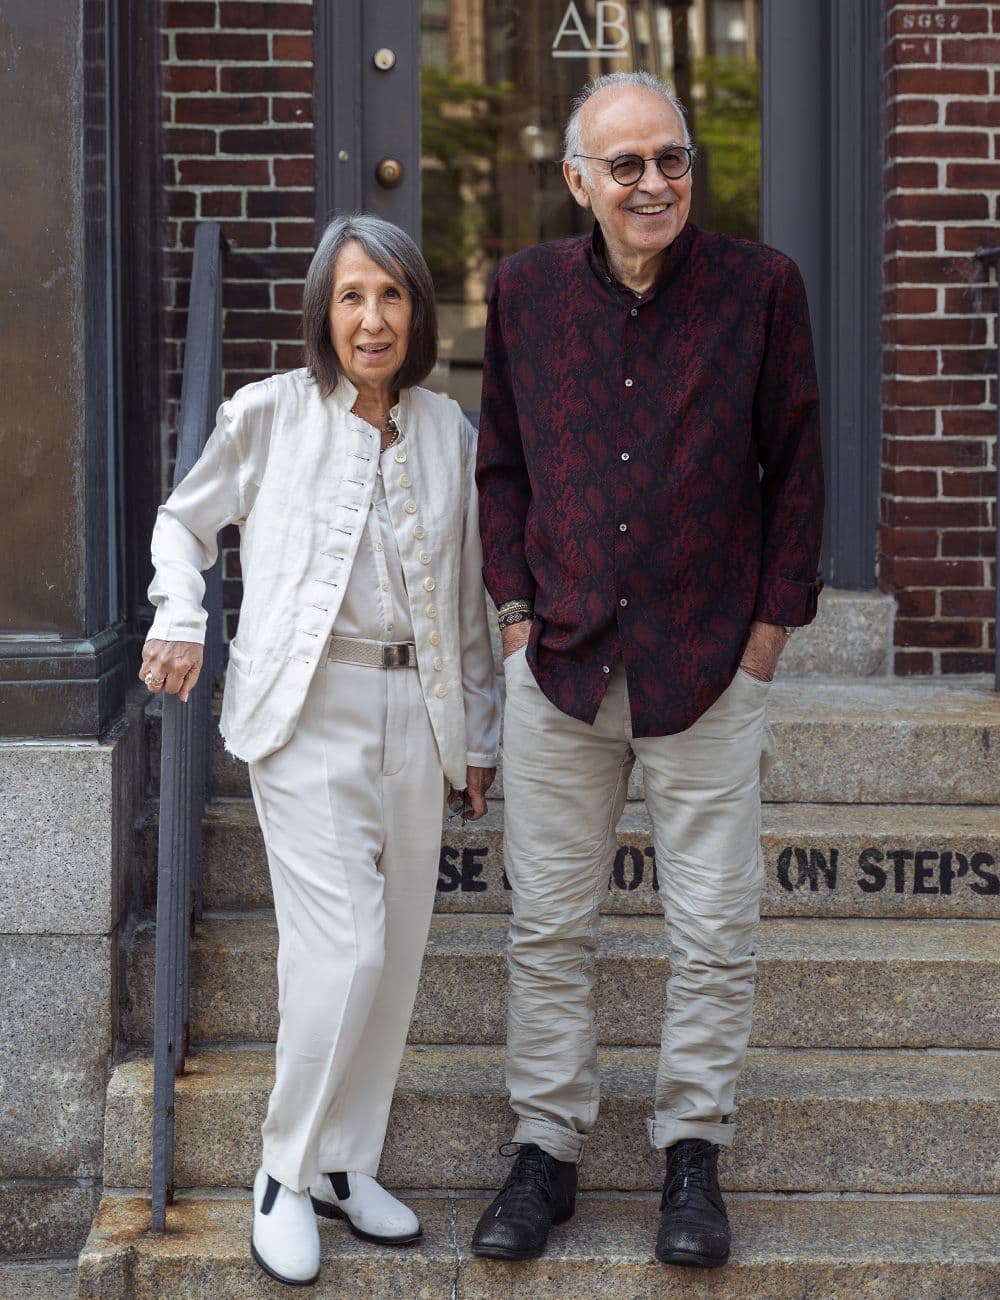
(991, 257)
(185, 744)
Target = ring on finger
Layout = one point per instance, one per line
(154, 683)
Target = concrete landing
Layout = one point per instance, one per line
(785, 1248)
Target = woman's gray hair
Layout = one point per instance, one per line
(394, 251)
(573, 137)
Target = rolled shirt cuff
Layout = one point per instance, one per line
(787, 601)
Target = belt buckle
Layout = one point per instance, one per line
(396, 656)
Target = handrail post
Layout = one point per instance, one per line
(185, 744)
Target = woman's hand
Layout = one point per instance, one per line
(172, 666)
(477, 781)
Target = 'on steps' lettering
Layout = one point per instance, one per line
(797, 868)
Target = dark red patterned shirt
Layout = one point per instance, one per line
(649, 467)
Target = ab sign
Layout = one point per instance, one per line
(610, 38)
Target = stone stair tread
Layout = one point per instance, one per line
(868, 860)
(778, 818)
(853, 739)
(882, 1121)
(784, 1248)
(821, 983)
(458, 1071)
(39, 1279)
(789, 939)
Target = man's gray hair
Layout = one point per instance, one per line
(394, 251)
(573, 137)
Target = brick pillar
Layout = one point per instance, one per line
(238, 149)
(942, 187)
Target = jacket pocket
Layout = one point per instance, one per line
(239, 660)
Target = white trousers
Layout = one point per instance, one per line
(565, 784)
(351, 810)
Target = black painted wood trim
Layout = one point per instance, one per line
(337, 32)
(821, 203)
(855, 261)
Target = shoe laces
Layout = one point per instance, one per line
(690, 1169)
(531, 1165)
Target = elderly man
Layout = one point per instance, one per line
(651, 504)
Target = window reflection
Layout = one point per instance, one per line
(496, 85)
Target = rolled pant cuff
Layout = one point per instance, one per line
(560, 1142)
(664, 1133)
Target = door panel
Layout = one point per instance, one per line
(496, 86)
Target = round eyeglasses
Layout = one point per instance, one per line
(629, 168)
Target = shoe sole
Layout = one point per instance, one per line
(501, 1252)
(327, 1211)
(278, 1277)
(690, 1260)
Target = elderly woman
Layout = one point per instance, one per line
(360, 684)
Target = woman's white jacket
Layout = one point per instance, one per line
(296, 471)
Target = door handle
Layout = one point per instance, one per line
(389, 173)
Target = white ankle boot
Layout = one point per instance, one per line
(285, 1238)
(371, 1212)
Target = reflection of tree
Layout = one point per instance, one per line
(728, 131)
(459, 136)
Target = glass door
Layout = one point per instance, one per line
(496, 83)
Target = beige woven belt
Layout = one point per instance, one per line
(372, 654)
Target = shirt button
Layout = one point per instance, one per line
(432, 611)
(419, 532)
(434, 638)
(628, 383)
(385, 586)
(438, 664)
(410, 507)
(623, 602)
(424, 557)
(429, 584)
(400, 457)
(379, 547)
(624, 455)
(605, 669)
(440, 691)
(634, 311)
(405, 481)
(623, 528)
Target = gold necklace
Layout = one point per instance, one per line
(389, 430)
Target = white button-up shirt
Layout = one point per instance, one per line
(297, 472)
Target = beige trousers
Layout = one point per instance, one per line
(565, 784)
(351, 809)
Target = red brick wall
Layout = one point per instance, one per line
(942, 202)
(237, 146)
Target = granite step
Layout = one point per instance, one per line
(875, 860)
(809, 1121)
(865, 984)
(839, 740)
(39, 1279)
(784, 1248)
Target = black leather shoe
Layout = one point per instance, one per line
(540, 1191)
(694, 1228)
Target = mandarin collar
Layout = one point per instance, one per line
(345, 395)
(674, 262)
